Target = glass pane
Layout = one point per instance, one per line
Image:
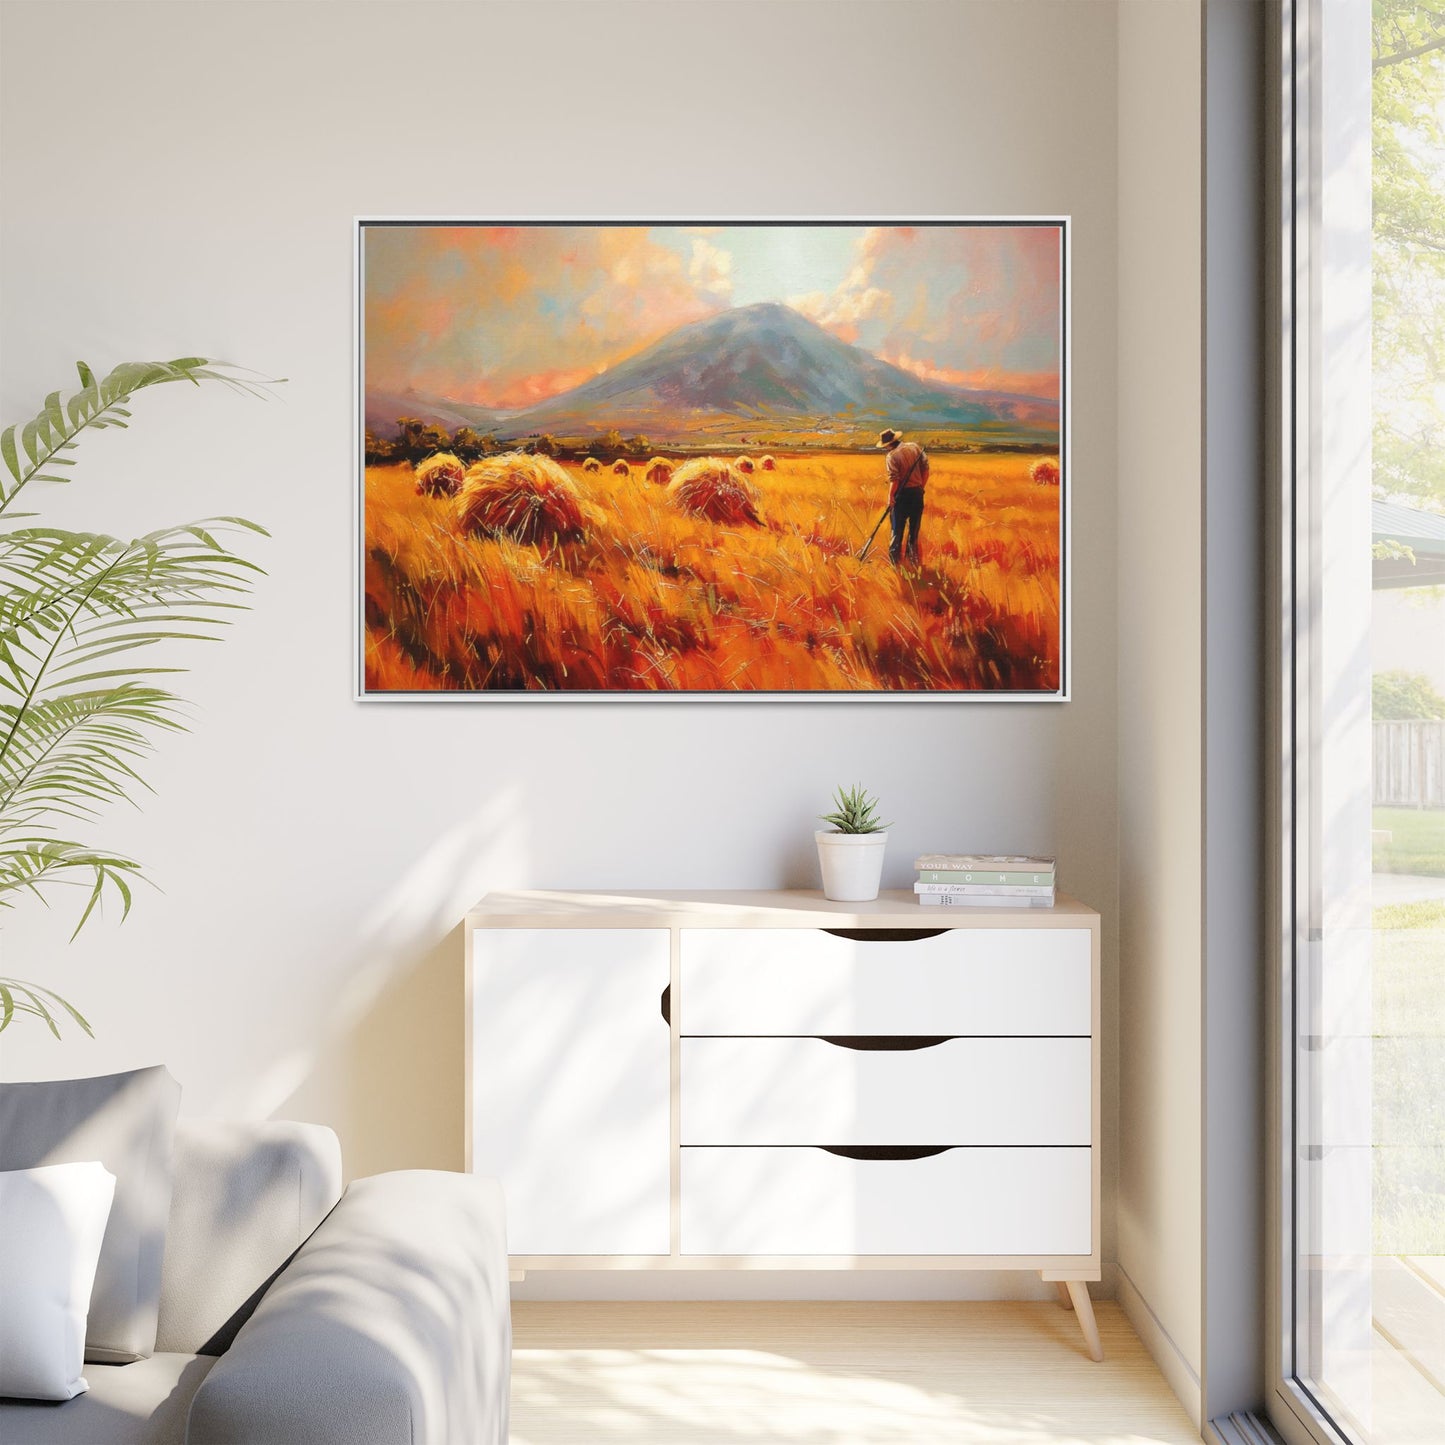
(1370, 534)
(1407, 652)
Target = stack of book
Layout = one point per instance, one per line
(984, 880)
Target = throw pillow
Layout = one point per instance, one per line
(127, 1122)
(52, 1221)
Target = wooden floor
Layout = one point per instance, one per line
(1408, 1360)
(832, 1374)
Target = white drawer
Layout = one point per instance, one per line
(961, 1091)
(962, 981)
(810, 1202)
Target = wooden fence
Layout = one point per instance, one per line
(1410, 764)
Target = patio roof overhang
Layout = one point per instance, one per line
(1423, 533)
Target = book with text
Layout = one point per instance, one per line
(990, 890)
(989, 862)
(974, 900)
(1008, 878)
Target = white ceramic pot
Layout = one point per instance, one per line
(852, 864)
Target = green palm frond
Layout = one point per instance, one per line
(81, 617)
(29, 449)
(27, 865)
(73, 752)
(70, 600)
(19, 997)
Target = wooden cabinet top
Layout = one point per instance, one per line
(799, 908)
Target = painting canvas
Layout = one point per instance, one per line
(719, 459)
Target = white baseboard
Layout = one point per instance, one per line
(1173, 1365)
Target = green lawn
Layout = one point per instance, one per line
(1426, 913)
(1417, 841)
(1409, 1078)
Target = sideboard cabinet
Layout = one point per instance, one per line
(772, 1081)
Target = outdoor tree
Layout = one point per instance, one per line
(1402, 695)
(1408, 146)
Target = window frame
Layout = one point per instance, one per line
(1296, 259)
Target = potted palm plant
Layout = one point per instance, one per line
(850, 852)
(81, 700)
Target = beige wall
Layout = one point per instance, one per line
(183, 178)
(1160, 683)
(1405, 631)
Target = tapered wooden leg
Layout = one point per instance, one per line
(1063, 1290)
(1084, 1309)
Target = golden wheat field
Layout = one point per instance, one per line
(649, 598)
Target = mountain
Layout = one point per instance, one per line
(384, 408)
(768, 367)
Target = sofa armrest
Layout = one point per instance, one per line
(391, 1324)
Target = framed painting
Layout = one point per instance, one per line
(716, 459)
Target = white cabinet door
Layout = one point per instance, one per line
(570, 1091)
(804, 981)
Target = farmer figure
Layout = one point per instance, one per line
(907, 465)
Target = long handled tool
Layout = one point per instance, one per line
(863, 555)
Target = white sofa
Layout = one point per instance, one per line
(292, 1313)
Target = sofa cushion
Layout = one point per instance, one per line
(145, 1403)
(52, 1220)
(246, 1197)
(127, 1122)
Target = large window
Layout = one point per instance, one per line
(1361, 1197)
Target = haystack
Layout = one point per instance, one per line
(621, 469)
(1045, 473)
(659, 470)
(744, 464)
(440, 475)
(519, 495)
(767, 464)
(591, 465)
(709, 487)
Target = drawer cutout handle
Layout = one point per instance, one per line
(886, 1043)
(885, 1151)
(667, 1005)
(886, 935)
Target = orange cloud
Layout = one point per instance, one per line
(857, 298)
(528, 390)
(711, 268)
(1044, 384)
(974, 306)
(497, 315)
(842, 310)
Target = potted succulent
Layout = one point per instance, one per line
(850, 851)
